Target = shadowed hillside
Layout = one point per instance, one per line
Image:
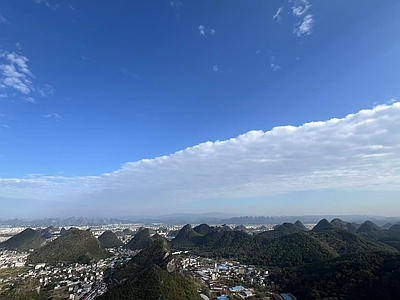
(151, 274)
(74, 246)
(24, 241)
(109, 239)
(141, 239)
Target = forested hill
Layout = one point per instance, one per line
(286, 246)
(151, 274)
(74, 246)
(24, 241)
(109, 239)
(357, 276)
(331, 261)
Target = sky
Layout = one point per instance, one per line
(125, 108)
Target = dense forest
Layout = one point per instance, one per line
(335, 260)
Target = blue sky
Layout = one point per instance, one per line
(151, 107)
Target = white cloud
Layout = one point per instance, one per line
(305, 27)
(215, 68)
(203, 30)
(16, 76)
(358, 152)
(53, 116)
(14, 72)
(278, 14)
(300, 7)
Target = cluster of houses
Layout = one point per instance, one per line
(220, 277)
(12, 259)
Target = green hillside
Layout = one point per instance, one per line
(202, 229)
(286, 246)
(74, 246)
(322, 225)
(344, 242)
(141, 239)
(356, 276)
(280, 230)
(368, 226)
(186, 237)
(109, 239)
(24, 241)
(339, 223)
(151, 275)
(300, 225)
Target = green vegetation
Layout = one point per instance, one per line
(389, 237)
(329, 262)
(322, 225)
(24, 241)
(280, 230)
(202, 229)
(356, 276)
(151, 274)
(368, 226)
(75, 246)
(155, 283)
(285, 247)
(142, 239)
(300, 225)
(109, 239)
(344, 242)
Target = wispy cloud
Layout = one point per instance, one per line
(53, 116)
(29, 99)
(278, 13)
(15, 73)
(203, 30)
(274, 66)
(358, 152)
(176, 6)
(50, 4)
(215, 68)
(305, 27)
(45, 90)
(300, 7)
(15, 76)
(3, 20)
(175, 3)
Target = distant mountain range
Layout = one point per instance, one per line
(209, 218)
